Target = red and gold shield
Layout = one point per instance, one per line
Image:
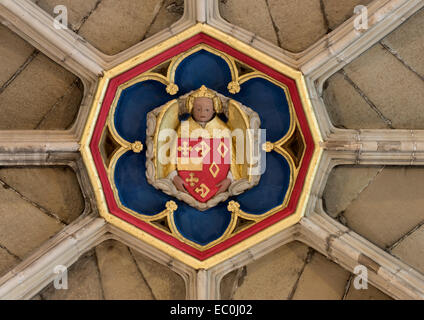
(202, 164)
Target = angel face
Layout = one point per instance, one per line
(203, 110)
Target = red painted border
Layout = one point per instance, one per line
(182, 47)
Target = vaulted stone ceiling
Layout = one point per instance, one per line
(382, 88)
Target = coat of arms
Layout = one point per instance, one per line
(200, 148)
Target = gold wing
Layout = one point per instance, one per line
(239, 123)
(167, 119)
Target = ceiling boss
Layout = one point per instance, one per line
(200, 148)
(199, 152)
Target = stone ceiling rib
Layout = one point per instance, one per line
(37, 271)
(345, 43)
(348, 249)
(65, 47)
(71, 51)
(374, 147)
(37, 147)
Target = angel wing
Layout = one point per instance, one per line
(166, 123)
(239, 123)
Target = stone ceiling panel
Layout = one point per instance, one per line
(36, 204)
(35, 92)
(384, 87)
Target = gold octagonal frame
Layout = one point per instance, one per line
(250, 241)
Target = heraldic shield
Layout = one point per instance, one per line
(203, 164)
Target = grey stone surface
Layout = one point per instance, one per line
(83, 282)
(397, 92)
(299, 23)
(389, 207)
(238, 12)
(170, 12)
(347, 108)
(344, 185)
(273, 276)
(78, 10)
(54, 189)
(7, 261)
(372, 293)
(45, 96)
(164, 283)
(23, 227)
(321, 279)
(120, 275)
(338, 11)
(14, 51)
(411, 249)
(229, 284)
(408, 42)
(62, 114)
(34, 93)
(117, 25)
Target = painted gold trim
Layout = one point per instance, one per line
(257, 74)
(110, 120)
(246, 243)
(175, 62)
(210, 31)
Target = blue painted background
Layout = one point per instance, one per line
(203, 67)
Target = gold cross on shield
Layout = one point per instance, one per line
(185, 149)
(192, 180)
